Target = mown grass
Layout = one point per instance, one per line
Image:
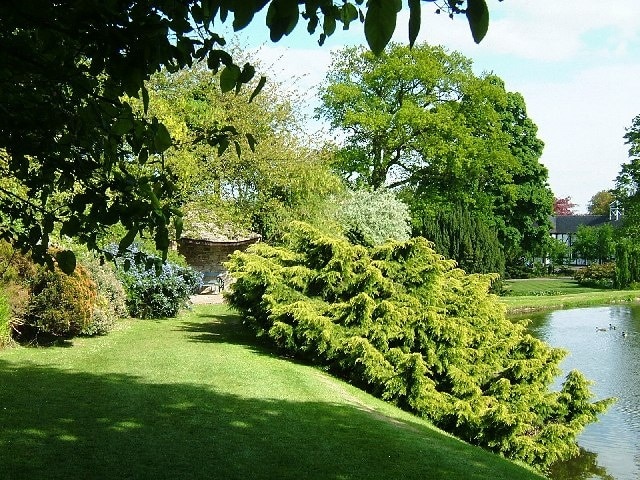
(544, 286)
(555, 293)
(198, 397)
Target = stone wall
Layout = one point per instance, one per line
(209, 256)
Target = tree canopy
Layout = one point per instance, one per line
(600, 202)
(70, 142)
(563, 206)
(272, 175)
(419, 119)
(627, 189)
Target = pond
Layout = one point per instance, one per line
(603, 343)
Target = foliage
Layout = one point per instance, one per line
(599, 275)
(111, 302)
(627, 263)
(627, 190)
(421, 120)
(557, 251)
(278, 177)
(404, 323)
(155, 289)
(563, 206)
(373, 217)
(60, 304)
(600, 202)
(72, 145)
(25, 285)
(595, 243)
(104, 275)
(463, 237)
(5, 320)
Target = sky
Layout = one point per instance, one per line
(577, 65)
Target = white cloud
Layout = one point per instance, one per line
(544, 30)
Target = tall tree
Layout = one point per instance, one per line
(66, 70)
(526, 202)
(627, 189)
(563, 206)
(421, 120)
(600, 202)
(271, 175)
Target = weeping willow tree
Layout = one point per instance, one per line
(405, 324)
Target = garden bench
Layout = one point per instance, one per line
(213, 282)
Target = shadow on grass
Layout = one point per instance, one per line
(220, 325)
(58, 424)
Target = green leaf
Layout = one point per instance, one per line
(128, 239)
(251, 141)
(71, 227)
(242, 14)
(478, 16)
(162, 139)
(145, 99)
(348, 14)
(229, 77)
(143, 156)
(122, 126)
(178, 224)
(248, 71)
(223, 144)
(414, 21)
(66, 261)
(328, 25)
(258, 89)
(162, 239)
(380, 23)
(282, 17)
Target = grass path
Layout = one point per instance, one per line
(197, 397)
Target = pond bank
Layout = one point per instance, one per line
(531, 303)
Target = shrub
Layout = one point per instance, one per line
(60, 304)
(49, 302)
(155, 289)
(109, 285)
(5, 321)
(405, 324)
(374, 217)
(599, 276)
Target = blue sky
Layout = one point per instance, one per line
(577, 64)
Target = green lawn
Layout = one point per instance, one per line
(555, 293)
(545, 286)
(197, 397)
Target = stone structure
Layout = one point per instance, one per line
(208, 255)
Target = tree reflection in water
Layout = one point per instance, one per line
(583, 467)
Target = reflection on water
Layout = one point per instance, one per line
(597, 347)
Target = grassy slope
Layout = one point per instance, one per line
(197, 398)
(555, 293)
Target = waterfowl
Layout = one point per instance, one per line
(624, 334)
(612, 327)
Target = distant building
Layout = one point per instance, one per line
(565, 227)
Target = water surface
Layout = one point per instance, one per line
(599, 349)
